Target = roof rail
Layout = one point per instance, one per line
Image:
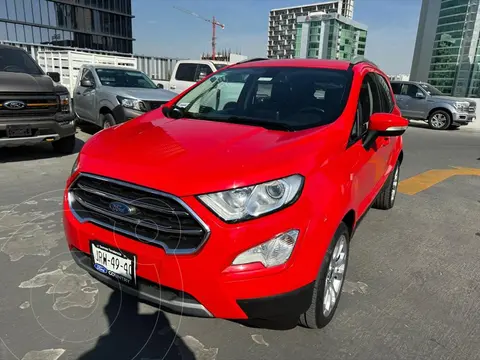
(361, 59)
(251, 60)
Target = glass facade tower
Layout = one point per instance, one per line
(329, 36)
(455, 60)
(86, 24)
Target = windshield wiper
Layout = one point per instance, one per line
(245, 120)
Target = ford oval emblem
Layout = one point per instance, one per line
(121, 208)
(14, 104)
(100, 268)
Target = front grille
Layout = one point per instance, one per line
(152, 105)
(37, 104)
(159, 219)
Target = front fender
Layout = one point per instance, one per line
(442, 105)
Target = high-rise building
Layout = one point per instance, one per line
(282, 22)
(86, 24)
(447, 48)
(329, 36)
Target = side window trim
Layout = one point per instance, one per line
(387, 98)
(358, 121)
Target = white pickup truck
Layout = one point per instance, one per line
(188, 72)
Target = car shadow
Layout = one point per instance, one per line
(424, 125)
(90, 129)
(132, 335)
(34, 152)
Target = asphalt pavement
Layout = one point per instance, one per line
(412, 285)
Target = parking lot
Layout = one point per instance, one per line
(412, 289)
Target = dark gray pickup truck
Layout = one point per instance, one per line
(33, 107)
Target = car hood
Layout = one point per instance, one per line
(145, 94)
(186, 157)
(21, 82)
(449, 98)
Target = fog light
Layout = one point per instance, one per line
(271, 253)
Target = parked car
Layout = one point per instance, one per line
(422, 101)
(33, 108)
(106, 95)
(187, 72)
(241, 209)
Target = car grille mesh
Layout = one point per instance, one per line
(157, 218)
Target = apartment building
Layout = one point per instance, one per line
(282, 24)
(329, 36)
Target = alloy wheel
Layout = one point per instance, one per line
(335, 276)
(395, 184)
(439, 121)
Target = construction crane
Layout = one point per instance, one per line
(214, 23)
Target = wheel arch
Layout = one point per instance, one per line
(441, 108)
(349, 220)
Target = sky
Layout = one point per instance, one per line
(162, 30)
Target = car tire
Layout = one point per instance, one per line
(318, 314)
(439, 120)
(64, 145)
(386, 197)
(108, 121)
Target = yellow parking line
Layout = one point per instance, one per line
(423, 181)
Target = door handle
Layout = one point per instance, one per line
(78, 93)
(173, 87)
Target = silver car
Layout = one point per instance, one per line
(422, 101)
(107, 95)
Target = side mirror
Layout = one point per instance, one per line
(159, 86)
(201, 76)
(55, 76)
(420, 95)
(174, 112)
(86, 83)
(384, 124)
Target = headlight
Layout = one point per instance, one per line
(461, 105)
(75, 165)
(64, 102)
(132, 103)
(253, 201)
(271, 253)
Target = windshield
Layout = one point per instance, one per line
(17, 60)
(431, 90)
(125, 78)
(273, 97)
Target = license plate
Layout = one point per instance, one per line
(19, 131)
(114, 263)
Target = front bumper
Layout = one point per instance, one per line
(461, 119)
(43, 129)
(203, 283)
(123, 114)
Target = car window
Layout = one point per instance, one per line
(124, 78)
(396, 88)
(297, 98)
(202, 71)
(17, 60)
(186, 72)
(369, 103)
(87, 75)
(385, 94)
(410, 90)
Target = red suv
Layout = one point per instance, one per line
(238, 198)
